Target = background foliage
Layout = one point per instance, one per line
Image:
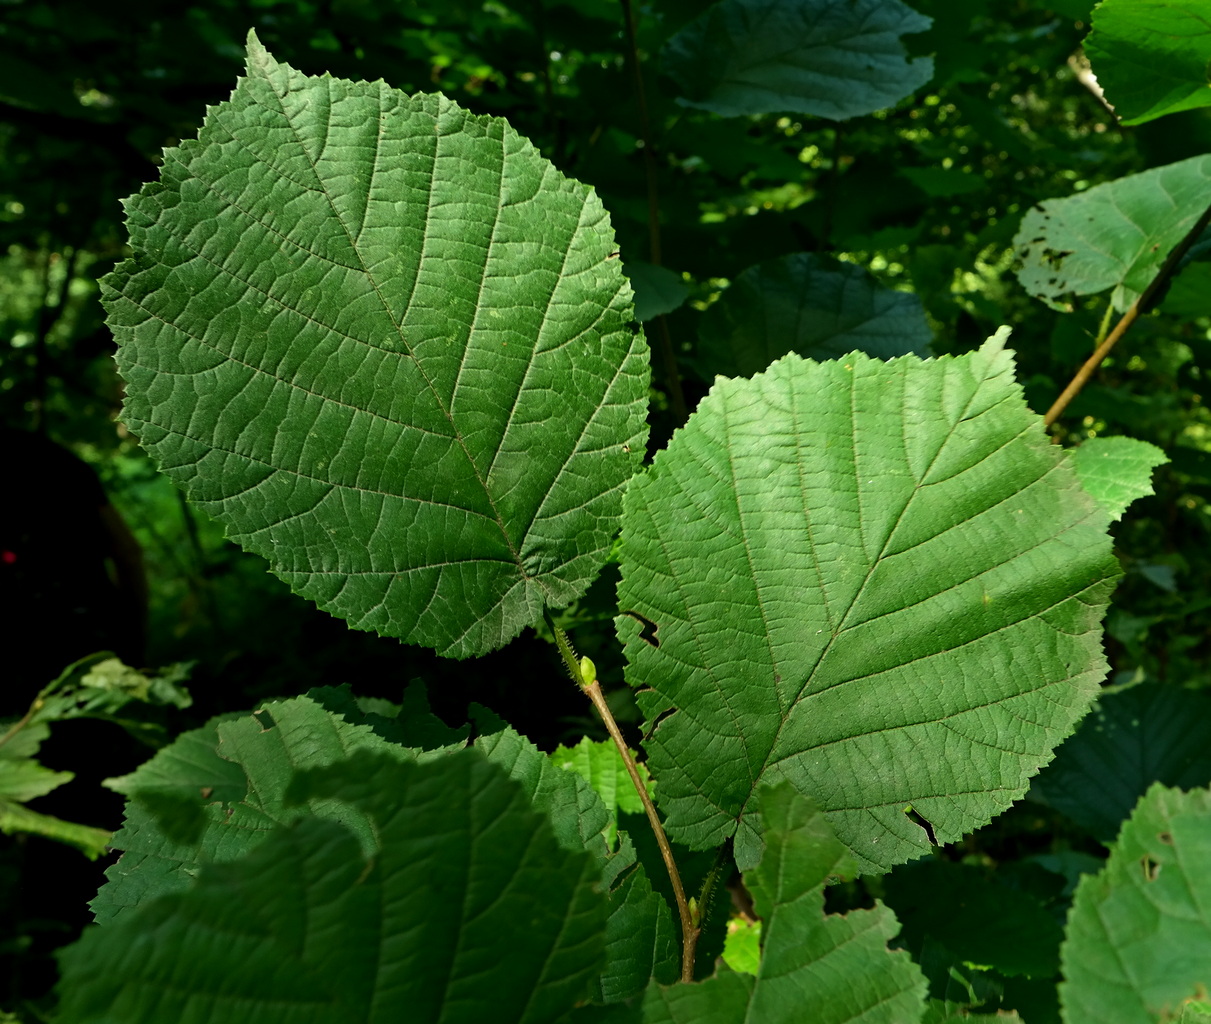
(924, 197)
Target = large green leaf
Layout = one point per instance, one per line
(1131, 739)
(880, 581)
(830, 58)
(219, 791)
(815, 307)
(383, 342)
(466, 909)
(1115, 235)
(827, 969)
(1152, 57)
(1139, 935)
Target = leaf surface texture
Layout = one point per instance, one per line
(507, 925)
(880, 581)
(381, 340)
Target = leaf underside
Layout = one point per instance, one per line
(381, 340)
(880, 581)
(1112, 236)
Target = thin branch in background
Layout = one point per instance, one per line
(50, 312)
(833, 189)
(1141, 304)
(668, 354)
(553, 124)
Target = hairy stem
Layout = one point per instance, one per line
(1141, 304)
(592, 689)
(689, 929)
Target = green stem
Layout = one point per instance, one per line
(592, 689)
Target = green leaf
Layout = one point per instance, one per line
(640, 937)
(381, 340)
(600, 765)
(658, 290)
(22, 777)
(815, 307)
(1117, 470)
(1115, 235)
(577, 813)
(829, 58)
(722, 999)
(100, 686)
(1139, 934)
(940, 1012)
(1187, 296)
(15, 818)
(828, 969)
(742, 949)
(410, 723)
(219, 791)
(642, 942)
(466, 909)
(1132, 739)
(1151, 57)
(880, 581)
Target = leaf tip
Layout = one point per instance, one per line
(258, 59)
(997, 341)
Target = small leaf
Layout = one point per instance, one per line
(1117, 470)
(642, 943)
(1152, 57)
(639, 933)
(830, 58)
(1115, 235)
(823, 968)
(658, 290)
(600, 764)
(92, 842)
(410, 723)
(1139, 934)
(742, 949)
(22, 777)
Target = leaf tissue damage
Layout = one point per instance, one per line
(348, 332)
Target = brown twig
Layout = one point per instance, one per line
(1137, 307)
(592, 689)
